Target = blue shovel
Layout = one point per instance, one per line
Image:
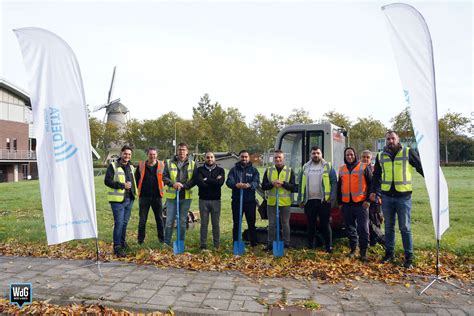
(278, 248)
(239, 248)
(178, 244)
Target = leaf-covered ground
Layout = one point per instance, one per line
(45, 308)
(297, 263)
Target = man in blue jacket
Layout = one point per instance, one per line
(244, 176)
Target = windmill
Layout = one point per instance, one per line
(116, 114)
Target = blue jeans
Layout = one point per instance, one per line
(400, 207)
(184, 206)
(121, 213)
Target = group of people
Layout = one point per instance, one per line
(360, 188)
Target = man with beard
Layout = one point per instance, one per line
(353, 192)
(243, 176)
(393, 178)
(122, 190)
(209, 179)
(318, 191)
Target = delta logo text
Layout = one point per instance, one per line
(62, 150)
(20, 294)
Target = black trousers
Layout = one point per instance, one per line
(356, 220)
(157, 207)
(314, 209)
(249, 209)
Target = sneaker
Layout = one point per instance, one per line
(364, 258)
(389, 257)
(408, 264)
(268, 249)
(140, 242)
(329, 250)
(203, 247)
(352, 253)
(119, 253)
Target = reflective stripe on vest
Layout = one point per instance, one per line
(284, 196)
(354, 185)
(173, 169)
(159, 176)
(398, 171)
(325, 181)
(118, 195)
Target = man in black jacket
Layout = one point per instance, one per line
(122, 190)
(209, 179)
(246, 177)
(149, 176)
(393, 178)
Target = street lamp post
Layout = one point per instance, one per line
(174, 141)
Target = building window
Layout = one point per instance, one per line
(14, 144)
(8, 144)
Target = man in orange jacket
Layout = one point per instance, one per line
(353, 192)
(149, 175)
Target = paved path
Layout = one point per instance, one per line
(147, 288)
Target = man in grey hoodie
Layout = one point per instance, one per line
(318, 192)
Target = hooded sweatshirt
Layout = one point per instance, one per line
(351, 166)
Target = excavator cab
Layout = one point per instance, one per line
(296, 142)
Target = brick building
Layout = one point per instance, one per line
(17, 140)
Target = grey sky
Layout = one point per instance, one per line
(261, 57)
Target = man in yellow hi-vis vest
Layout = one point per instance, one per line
(120, 179)
(318, 191)
(178, 175)
(393, 178)
(282, 178)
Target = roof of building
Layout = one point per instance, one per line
(22, 94)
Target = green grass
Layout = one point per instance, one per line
(21, 216)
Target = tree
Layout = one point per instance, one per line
(111, 136)
(238, 134)
(204, 108)
(338, 119)
(133, 134)
(365, 132)
(298, 116)
(97, 129)
(401, 123)
(451, 125)
(461, 148)
(266, 130)
(159, 133)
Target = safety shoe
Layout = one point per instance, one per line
(329, 250)
(363, 256)
(389, 257)
(352, 253)
(408, 264)
(119, 252)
